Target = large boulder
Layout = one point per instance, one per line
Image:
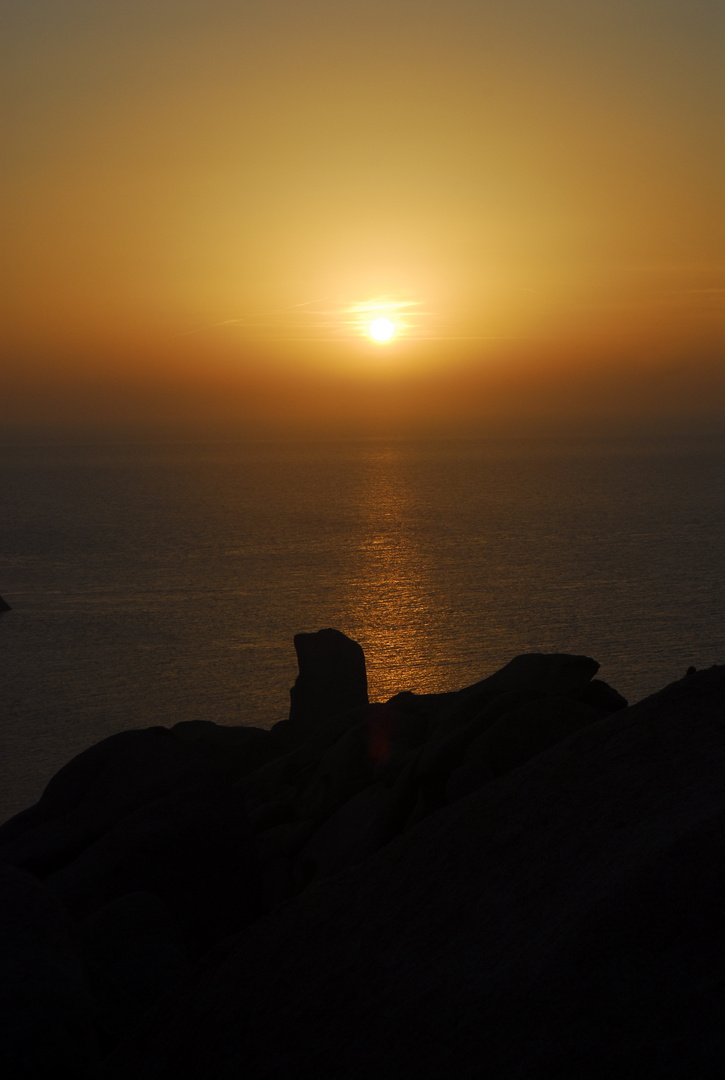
(46, 1007)
(530, 674)
(97, 789)
(147, 859)
(240, 750)
(523, 733)
(135, 952)
(363, 824)
(563, 920)
(193, 848)
(332, 678)
(342, 771)
(516, 737)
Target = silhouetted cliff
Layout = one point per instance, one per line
(522, 878)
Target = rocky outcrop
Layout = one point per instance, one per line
(144, 846)
(562, 920)
(332, 679)
(520, 878)
(46, 1018)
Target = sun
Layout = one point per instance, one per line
(381, 329)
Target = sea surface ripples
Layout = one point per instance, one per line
(152, 584)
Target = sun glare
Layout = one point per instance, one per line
(381, 329)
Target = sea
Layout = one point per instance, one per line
(159, 582)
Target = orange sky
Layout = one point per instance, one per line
(205, 204)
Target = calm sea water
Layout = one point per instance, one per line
(163, 583)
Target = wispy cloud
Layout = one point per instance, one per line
(330, 317)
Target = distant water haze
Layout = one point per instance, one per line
(157, 583)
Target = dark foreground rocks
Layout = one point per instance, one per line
(522, 879)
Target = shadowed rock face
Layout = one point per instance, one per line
(142, 857)
(564, 920)
(332, 678)
(46, 1013)
(521, 879)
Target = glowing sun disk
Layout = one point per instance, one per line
(381, 329)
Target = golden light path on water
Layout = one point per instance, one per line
(391, 587)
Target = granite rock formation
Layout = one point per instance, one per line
(522, 878)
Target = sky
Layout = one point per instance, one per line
(206, 205)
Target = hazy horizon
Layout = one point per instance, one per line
(206, 205)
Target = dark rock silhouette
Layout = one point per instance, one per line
(134, 951)
(4, 605)
(601, 696)
(332, 678)
(46, 1018)
(97, 789)
(564, 920)
(190, 847)
(238, 750)
(522, 878)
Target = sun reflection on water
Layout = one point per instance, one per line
(391, 588)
